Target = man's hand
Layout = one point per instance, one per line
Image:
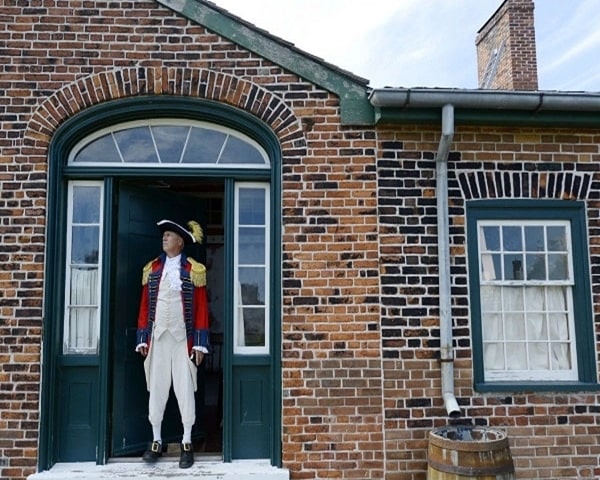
(143, 351)
(198, 357)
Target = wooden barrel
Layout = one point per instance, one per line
(461, 452)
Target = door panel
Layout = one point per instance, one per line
(78, 413)
(251, 412)
(138, 242)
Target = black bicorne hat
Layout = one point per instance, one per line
(192, 234)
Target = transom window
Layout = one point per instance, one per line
(169, 142)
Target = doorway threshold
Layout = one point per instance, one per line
(165, 470)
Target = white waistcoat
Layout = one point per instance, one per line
(169, 312)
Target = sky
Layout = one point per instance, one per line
(429, 43)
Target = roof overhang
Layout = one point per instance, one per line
(351, 89)
(487, 107)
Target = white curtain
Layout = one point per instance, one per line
(82, 336)
(523, 327)
(241, 325)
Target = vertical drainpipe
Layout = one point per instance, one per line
(446, 349)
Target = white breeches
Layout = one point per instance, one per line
(168, 363)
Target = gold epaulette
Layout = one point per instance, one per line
(198, 273)
(146, 271)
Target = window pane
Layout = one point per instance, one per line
(515, 326)
(557, 239)
(84, 286)
(170, 141)
(493, 356)
(83, 330)
(491, 239)
(490, 266)
(238, 151)
(560, 358)
(252, 286)
(538, 356)
(253, 327)
(85, 244)
(536, 267)
(251, 246)
(513, 267)
(252, 206)
(534, 239)
(536, 327)
(101, 150)
(558, 267)
(516, 356)
(511, 239)
(204, 146)
(136, 145)
(492, 327)
(86, 204)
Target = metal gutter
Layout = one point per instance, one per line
(487, 107)
(485, 99)
(446, 348)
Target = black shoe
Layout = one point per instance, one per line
(186, 460)
(153, 453)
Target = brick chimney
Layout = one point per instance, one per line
(506, 55)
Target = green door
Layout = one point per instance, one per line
(138, 241)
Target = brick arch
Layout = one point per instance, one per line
(135, 81)
(543, 185)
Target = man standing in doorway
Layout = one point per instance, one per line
(173, 333)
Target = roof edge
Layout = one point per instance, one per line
(400, 105)
(351, 89)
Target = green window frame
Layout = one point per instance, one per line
(540, 219)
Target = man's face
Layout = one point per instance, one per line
(172, 244)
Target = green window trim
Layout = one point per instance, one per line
(551, 210)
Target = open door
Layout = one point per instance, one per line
(139, 241)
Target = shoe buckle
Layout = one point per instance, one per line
(187, 447)
(155, 447)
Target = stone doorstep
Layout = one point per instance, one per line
(165, 469)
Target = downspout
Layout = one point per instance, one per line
(446, 348)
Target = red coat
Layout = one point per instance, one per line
(193, 295)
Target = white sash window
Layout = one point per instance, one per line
(251, 273)
(526, 297)
(83, 271)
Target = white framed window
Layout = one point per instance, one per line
(251, 329)
(526, 286)
(83, 268)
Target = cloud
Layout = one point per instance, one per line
(429, 43)
(567, 39)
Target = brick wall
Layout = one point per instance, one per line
(551, 435)
(331, 338)
(360, 321)
(62, 57)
